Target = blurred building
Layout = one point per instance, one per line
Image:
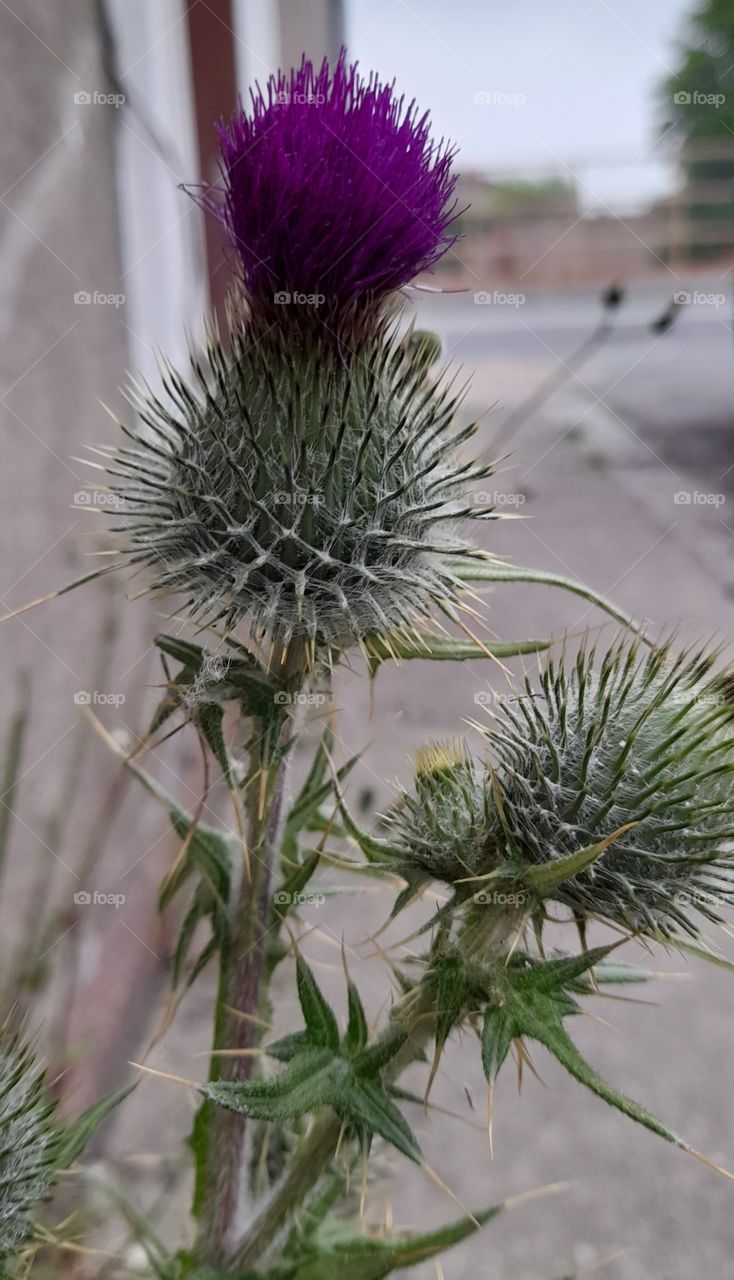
(109, 106)
(535, 230)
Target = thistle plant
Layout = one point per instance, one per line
(303, 493)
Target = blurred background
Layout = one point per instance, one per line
(590, 298)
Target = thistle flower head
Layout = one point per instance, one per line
(333, 189)
(28, 1144)
(640, 739)
(314, 500)
(635, 739)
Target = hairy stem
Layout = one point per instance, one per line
(412, 1026)
(309, 1162)
(220, 1135)
(413, 1023)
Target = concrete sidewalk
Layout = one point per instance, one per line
(600, 506)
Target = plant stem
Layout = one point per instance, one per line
(220, 1136)
(319, 1144)
(413, 1021)
(306, 1167)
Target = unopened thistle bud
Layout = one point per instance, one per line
(316, 500)
(640, 744)
(28, 1146)
(446, 823)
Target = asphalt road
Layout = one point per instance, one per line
(676, 383)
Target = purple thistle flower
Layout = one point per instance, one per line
(333, 188)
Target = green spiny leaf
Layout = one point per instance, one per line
(321, 1025)
(77, 1134)
(357, 1029)
(451, 995)
(210, 716)
(498, 1033)
(284, 898)
(534, 1003)
(546, 877)
(364, 1259)
(369, 1106)
(491, 571)
(397, 647)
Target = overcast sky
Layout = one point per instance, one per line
(565, 82)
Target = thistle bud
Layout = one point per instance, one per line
(639, 739)
(315, 499)
(640, 745)
(28, 1145)
(445, 825)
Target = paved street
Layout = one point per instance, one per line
(600, 481)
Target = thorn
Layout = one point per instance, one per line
(248, 1017)
(165, 1075)
(451, 1194)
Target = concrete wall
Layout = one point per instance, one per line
(63, 350)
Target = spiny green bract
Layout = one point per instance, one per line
(28, 1145)
(313, 493)
(641, 739)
